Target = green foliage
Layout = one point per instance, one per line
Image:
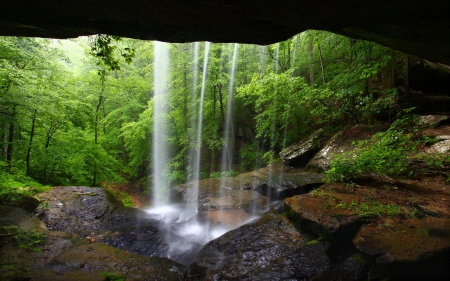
(372, 208)
(386, 153)
(28, 240)
(14, 184)
(122, 196)
(112, 276)
(225, 174)
(104, 47)
(251, 156)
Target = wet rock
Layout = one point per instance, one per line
(355, 267)
(95, 213)
(26, 221)
(408, 249)
(240, 190)
(298, 155)
(344, 141)
(26, 245)
(279, 192)
(28, 203)
(269, 248)
(87, 262)
(320, 213)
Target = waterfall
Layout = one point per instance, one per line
(227, 151)
(160, 150)
(198, 143)
(193, 117)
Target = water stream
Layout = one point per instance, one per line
(160, 153)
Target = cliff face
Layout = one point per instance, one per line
(417, 27)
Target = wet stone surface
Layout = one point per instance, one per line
(95, 213)
(269, 248)
(87, 262)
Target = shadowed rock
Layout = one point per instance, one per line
(96, 213)
(269, 248)
(420, 27)
(91, 262)
(298, 155)
(410, 250)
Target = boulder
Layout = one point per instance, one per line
(319, 213)
(408, 250)
(26, 244)
(95, 213)
(97, 261)
(298, 155)
(343, 141)
(269, 248)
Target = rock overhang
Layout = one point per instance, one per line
(418, 27)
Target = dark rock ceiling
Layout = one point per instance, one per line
(418, 27)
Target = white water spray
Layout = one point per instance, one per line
(196, 166)
(227, 151)
(160, 152)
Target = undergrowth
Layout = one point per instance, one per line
(385, 153)
(14, 184)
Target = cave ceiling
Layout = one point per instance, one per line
(417, 27)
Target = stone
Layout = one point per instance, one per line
(26, 202)
(420, 28)
(343, 141)
(276, 176)
(269, 248)
(298, 155)
(320, 213)
(26, 244)
(96, 213)
(411, 249)
(93, 262)
(432, 120)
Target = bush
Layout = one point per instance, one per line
(386, 153)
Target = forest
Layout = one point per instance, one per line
(79, 112)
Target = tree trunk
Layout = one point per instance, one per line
(4, 137)
(100, 100)
(321, 64)
(407, 86)
(9, 151)
(31, 142)
(219, 86)
(311, 63)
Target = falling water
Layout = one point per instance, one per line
(196, 167)
(227, 151)
(160, 153)
(193, 115)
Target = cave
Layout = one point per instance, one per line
(421, 28)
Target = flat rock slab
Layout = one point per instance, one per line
(95, 213)
(319, 212)
(269, 248)
(240, 190)
(413, 249)
(90, 262)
